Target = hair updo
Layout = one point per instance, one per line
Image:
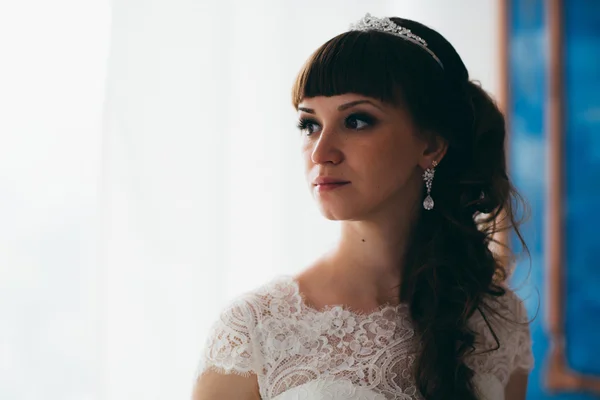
(449, 268)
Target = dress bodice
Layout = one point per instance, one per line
(298, 352)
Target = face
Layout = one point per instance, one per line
(373, 147)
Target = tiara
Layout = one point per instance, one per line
(368, 22)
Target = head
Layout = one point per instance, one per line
(374, 147)
(377, 110)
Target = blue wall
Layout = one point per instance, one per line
(582, 197)
(527, 140)
(528, 61)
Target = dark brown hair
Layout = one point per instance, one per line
(450, 269)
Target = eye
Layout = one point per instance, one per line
(359, 121)
(307, 124)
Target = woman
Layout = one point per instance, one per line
(408, 154)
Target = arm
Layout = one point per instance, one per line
(213, 385)
(516, 389)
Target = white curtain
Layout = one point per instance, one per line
(150, 171)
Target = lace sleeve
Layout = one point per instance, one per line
(523, 358)
(228, 348)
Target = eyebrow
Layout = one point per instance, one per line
(342, 107)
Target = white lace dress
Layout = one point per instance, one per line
(298, 352)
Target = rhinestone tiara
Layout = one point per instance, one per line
(368, 23)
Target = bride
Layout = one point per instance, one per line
(408, 154)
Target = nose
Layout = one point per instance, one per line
(327, 149)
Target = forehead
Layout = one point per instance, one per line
(340, 101)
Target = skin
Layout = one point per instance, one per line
(384, 163)
(516, 388)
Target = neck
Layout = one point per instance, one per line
(368, 260)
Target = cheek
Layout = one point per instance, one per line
(307, 158)
(392, 165)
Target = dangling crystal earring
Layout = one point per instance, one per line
(428, 178)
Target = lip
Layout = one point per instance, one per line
(325, 187)
(325, 180)
(328, 183)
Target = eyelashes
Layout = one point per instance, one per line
(304, 123)
(355, 121)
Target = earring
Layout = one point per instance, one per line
(428, 178)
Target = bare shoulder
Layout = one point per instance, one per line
(313, 279)
(213, 385)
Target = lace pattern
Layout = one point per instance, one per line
(273, 333)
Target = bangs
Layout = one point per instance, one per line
(372, 64)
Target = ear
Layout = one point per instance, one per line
(434, 150)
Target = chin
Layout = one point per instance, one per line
(341, 212)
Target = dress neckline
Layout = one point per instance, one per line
(339, 308)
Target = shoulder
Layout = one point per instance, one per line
(517, 333)
(232, 341)
(508, 312)
(249, 308)
(505, 314)
(509, 305)
(503, 341)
